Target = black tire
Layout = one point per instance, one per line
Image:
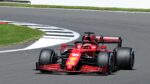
(47, 56)
(106, 59)
(125, 58)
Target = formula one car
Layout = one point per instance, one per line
(88, 55)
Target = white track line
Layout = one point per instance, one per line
(45, 27)
(54, 30)
(59, 33)
(47, 40)
(57, 37)
(23, 23)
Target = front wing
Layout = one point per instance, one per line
(83, 69)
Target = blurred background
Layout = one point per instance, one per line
(19, 1)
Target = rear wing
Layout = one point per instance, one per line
(110, 40)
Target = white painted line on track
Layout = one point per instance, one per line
(46, 42)
(56, 37)
(59, 33)
(48, 29)
(40, 26)
(14, 50)
(24, 24)
(53, 36)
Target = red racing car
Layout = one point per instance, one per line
(89, 55)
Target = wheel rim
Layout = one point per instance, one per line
(110, 65)
(132, 60)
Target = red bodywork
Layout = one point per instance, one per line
(76, 54)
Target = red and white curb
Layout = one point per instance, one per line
(53, 35)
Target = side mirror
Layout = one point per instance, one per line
(103, 47)
(63, 45)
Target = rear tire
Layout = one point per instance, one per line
(125, 58)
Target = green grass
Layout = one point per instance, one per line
(12, 34)
(76, 7)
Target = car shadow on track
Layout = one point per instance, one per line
(74, 74)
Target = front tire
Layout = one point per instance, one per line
(105, 59)
(47, 56)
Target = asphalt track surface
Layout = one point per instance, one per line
(18, 67)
